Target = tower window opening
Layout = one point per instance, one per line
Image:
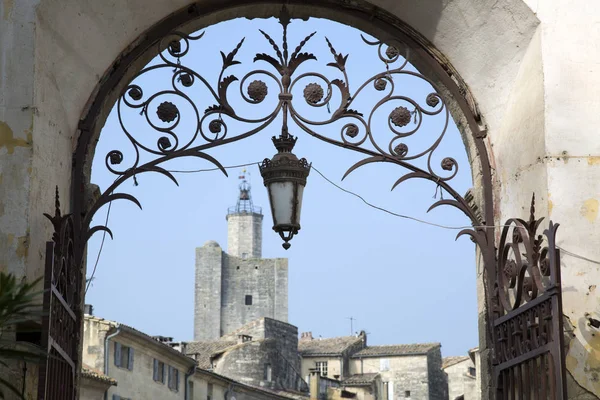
(248, 299)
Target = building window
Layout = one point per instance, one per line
(244, 255)
(321, 367)
(472, 371)
(123, 356)
(407, 393)
(384, 364)
(173, 378)
(267, 373)
(117, 397)
(190, 390)
(209, 391)
(159, 371)
(248, 299)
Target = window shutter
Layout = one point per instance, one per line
(169, 378)
(155, 370)
(116, 397)
(130, 366)
(117, 354)
(164, 373)
(176, 379)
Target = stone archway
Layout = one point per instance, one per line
(501, 52)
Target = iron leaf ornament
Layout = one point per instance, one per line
(162, 111)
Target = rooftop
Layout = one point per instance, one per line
(326, 347)
(360, 379)
(450, 361)
(91, 373)
(203, 351)
(396, 350)
(141, 335)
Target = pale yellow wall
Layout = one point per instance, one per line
(334, 366)
(138, 383)
(92, 390)
(201, 387)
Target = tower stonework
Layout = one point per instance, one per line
(244, 234)
(236, 287)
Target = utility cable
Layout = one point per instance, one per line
(343, 190)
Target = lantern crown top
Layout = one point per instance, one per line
(284, 143)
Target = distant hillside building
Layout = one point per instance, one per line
(236, 287)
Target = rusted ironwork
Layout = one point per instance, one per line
(162, 111)
(528, 328)
(62, 315)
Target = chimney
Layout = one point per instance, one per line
(244, 339)
(88, 309)
(306, 336)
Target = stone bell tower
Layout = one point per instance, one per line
(236, 287)
(244, 225)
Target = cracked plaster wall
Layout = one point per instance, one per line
(531, 65)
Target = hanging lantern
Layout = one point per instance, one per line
(285, 178)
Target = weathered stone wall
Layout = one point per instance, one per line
(208, 292)
(460, 382)
(244, 235)
(406, 373)
(281, 341)
(266, 280)
(438, 387)
(222, 284)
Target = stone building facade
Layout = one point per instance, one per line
(238, 286)
(390, 372)
(123, 363)
(262, 353)
(141, 366)
(463, 376)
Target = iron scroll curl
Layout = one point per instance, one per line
(164, 110)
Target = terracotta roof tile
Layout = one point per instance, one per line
(91, 373)
(396, 350)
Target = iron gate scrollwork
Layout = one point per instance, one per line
(522, 291)
(528, 326)
(62, 317)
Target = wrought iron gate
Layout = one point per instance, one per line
(528, 328)
(62, 317)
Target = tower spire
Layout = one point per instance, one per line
(244, 223)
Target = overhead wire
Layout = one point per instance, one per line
(343, 190)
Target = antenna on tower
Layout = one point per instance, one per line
(352, 319)
(244, 202)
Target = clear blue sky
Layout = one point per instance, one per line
(403, 281)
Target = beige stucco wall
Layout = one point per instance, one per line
(137, 383)
(532, 67)
(334, 366)
(92, 389)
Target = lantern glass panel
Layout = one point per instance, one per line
(299, 208)
(282, 196)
